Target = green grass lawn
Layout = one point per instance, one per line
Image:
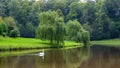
(22, 43)
(111, 42)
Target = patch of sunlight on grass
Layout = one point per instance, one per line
(111, 42)
(7, 43)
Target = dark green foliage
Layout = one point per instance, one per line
(115, 29)
(14, 33)
(30, 30)
(113, 9)
(100, 18)
(3, 27)
(75, 11)
(88, 12)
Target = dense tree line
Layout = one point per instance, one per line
(8, 27)
(100, 17)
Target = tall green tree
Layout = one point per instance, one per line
(115, 29)
(101, 26)
(72, 29)
(85, 37)
(10, 22)
(51, 27)
(12, 27)
(113, 9)
(75, 11)
(76, 32)
(88, 12)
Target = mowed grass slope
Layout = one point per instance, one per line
(19, 43)
(111, 42)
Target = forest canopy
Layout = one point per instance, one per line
(100, 17)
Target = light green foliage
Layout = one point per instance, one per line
(14, 33)
(11, 23)
(79, 37)
(3, 27)
(51, 27)
(110, 42)
(85, 37)
(59, 31)
(72, 29)
(76, 32)
(59, 12)
(12, 28)
(8, 27)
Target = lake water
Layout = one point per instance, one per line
(93, 57)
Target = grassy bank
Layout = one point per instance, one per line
(33, 51)
(111, 42)
(28, 43)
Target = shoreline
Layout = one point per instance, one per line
(18, 44)
(110, 42)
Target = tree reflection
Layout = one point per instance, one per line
(54, 58)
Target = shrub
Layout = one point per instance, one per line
(14, 33)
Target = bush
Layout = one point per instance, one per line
(3, 29)
(14, 33)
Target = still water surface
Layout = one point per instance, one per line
(93, 57)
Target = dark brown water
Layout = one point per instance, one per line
(94, 57)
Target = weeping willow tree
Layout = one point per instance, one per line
(51, 27)
(85, 37)
(72, 29)
(76, 32)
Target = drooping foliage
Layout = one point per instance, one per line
(51, 27)
(100, 17)
(72, 29)
(85, 37)
(76, 32)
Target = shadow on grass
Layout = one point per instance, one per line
(51, 45)
(46, 43)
